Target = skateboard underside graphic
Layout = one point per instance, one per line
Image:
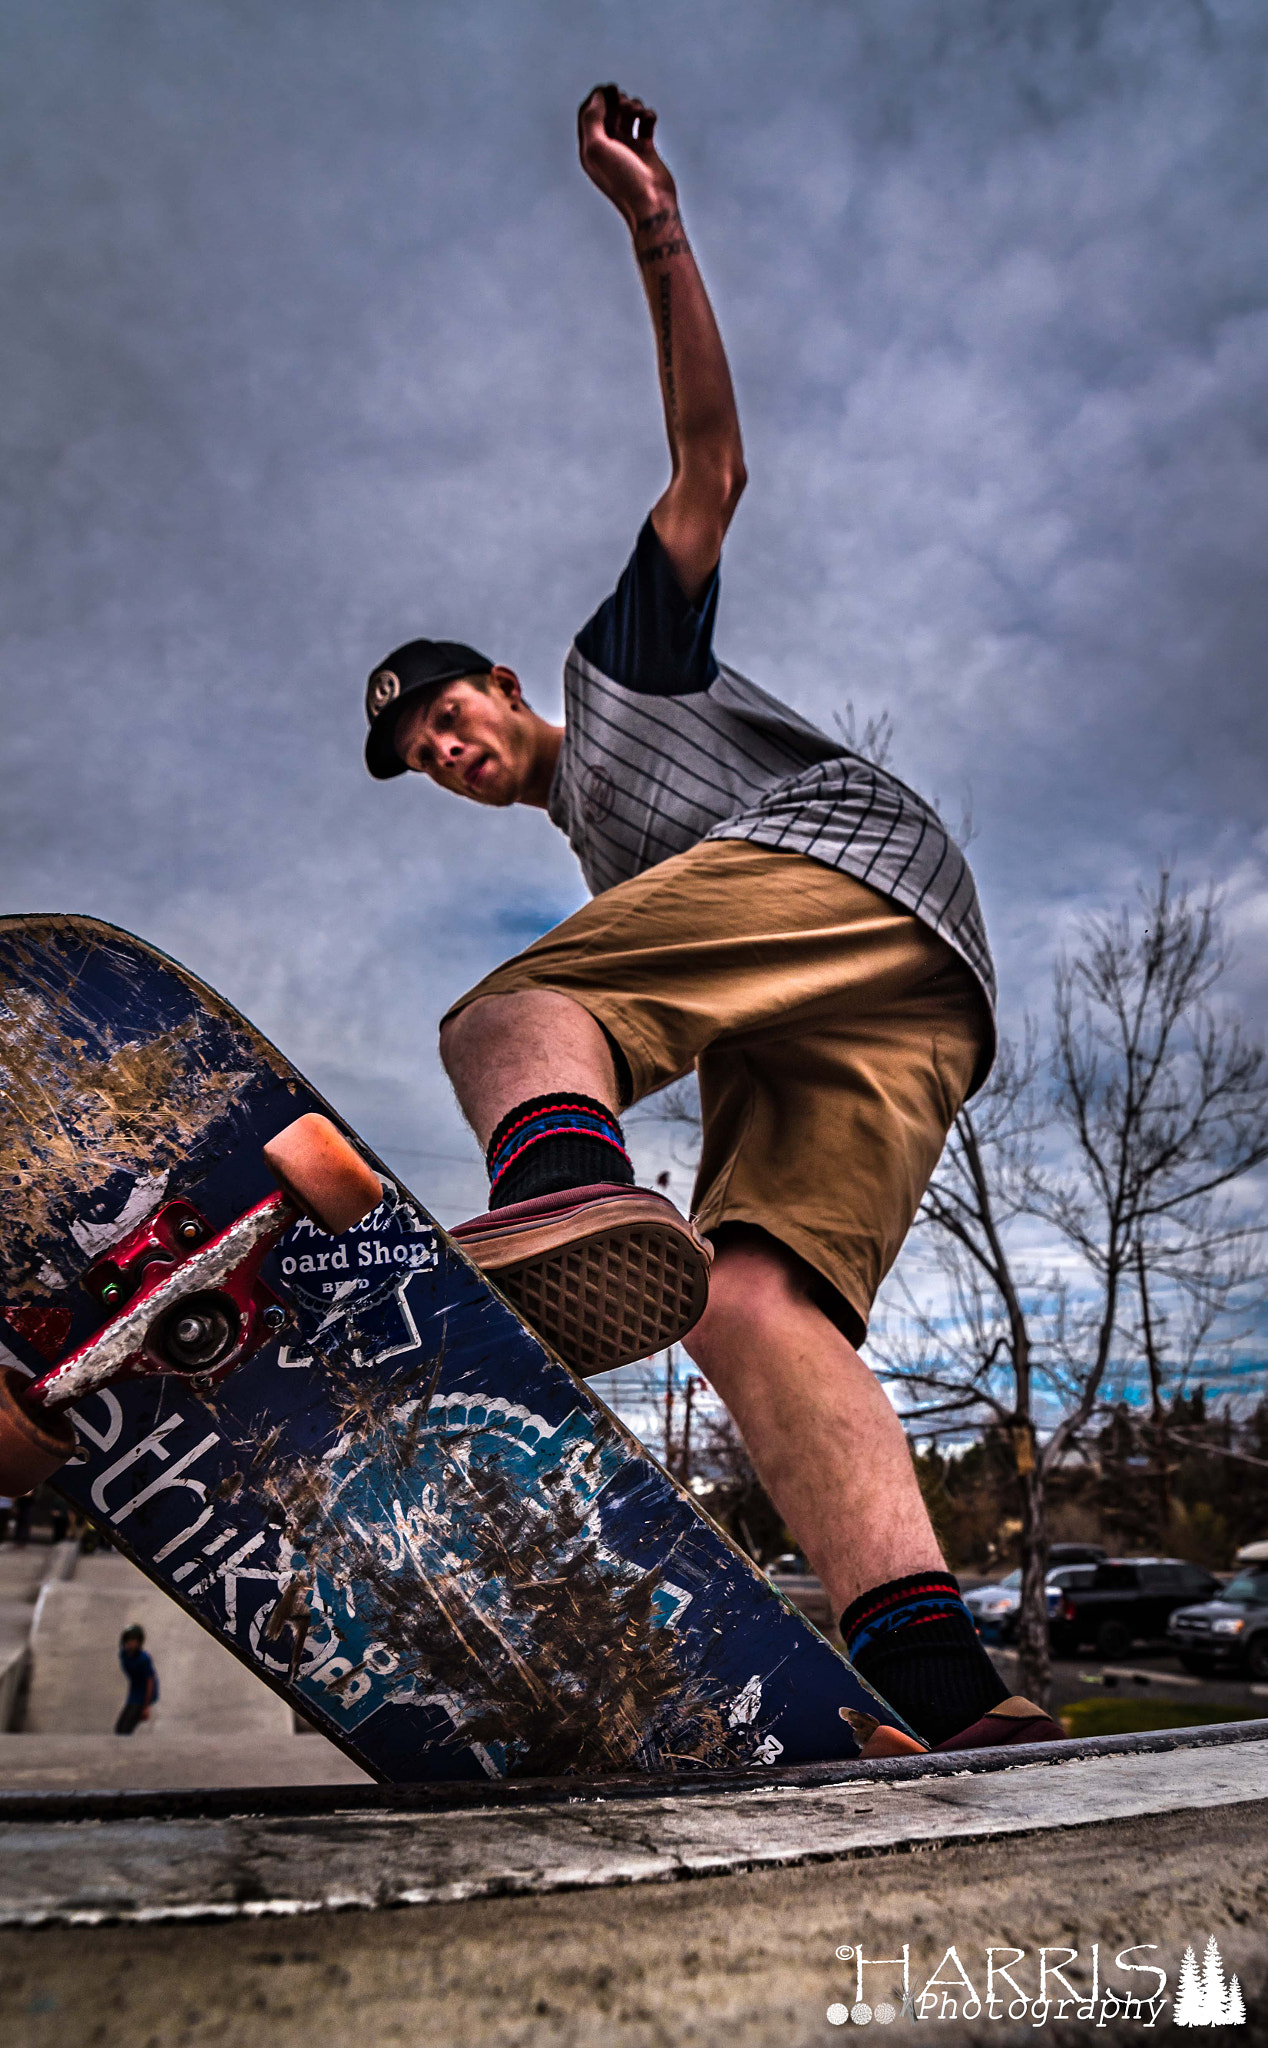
(382, 1491)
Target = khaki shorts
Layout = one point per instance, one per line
(834, 1036)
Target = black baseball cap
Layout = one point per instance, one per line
(418, 665)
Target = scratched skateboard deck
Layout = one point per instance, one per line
(402, 1512)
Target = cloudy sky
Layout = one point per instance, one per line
(316, 337)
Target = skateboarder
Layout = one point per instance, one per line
(776, 912)
(143, 1690)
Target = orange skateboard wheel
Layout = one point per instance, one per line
(323, 1174)
(33, 1443)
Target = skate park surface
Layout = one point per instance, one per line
(746, 1955)
(286, 1895)
(62, 1615)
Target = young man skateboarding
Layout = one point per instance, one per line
(771, 910)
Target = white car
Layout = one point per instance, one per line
(994, 1608)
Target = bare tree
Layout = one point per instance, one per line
(1071, 1197)
(872, 741)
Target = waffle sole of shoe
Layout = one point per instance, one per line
(606, 1295)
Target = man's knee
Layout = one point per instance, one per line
(753, 1283)
(453, 1030)
(467, 1028)
(751, 1264)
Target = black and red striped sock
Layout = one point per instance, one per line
(914, 1640)
(553, 1142)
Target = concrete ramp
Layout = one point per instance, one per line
(158, 1762)
(77, 1687)
(22, 1567)
(215, 1724)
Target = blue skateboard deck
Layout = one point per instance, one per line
(403, 1513)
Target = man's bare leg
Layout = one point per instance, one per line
(502, 1050)
(829, 1448)
(832, 1455)
(827, 1445)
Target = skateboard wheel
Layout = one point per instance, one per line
(315, 1165)
(32, 1445)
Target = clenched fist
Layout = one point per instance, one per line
(614, 136)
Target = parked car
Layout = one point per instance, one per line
(791, 1565)
(1126, 1600)
(1230, 1631)
(995, 1608)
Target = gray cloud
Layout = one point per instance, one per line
(317, 336)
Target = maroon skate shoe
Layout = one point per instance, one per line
(1014, 1721)
(604, 1273)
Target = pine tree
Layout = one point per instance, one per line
(1187, 2010)
(1234, 2006)
(1214, 1991)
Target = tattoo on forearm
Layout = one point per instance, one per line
(667, 224)
(668, 216)
(667, 350)
(660, 252)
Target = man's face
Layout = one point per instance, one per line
(473, 737)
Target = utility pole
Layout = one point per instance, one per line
(690, 1388)
(669, 1410)
(1155, 1395)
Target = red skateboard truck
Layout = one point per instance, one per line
(181, 1299)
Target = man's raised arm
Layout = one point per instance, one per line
(617, 154)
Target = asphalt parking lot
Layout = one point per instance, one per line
(1147, 1675)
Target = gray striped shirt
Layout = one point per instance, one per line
(644, 775)
(664, 748)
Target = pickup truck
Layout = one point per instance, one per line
(1126, 1600)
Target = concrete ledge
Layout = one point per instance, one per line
(253, 1793)
(749, 1959)
(88, 1873)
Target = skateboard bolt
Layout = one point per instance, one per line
(110, 1293)
(199, 1334)
(274, 1318)
(188, 1231)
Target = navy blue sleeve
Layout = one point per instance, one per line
(647, 635)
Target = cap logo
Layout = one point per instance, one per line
(382, 687)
